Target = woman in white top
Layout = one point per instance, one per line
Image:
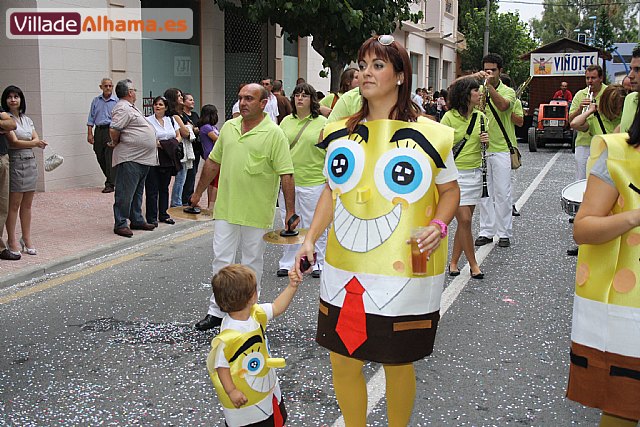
(23, 171)
(156, 185)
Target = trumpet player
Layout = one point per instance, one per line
(581, 102)
(469, 144)
(495, 210)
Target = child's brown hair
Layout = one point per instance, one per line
(233, 287)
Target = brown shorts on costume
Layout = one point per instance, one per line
(400, 339)
(607, 381)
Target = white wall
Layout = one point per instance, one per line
(212, 57)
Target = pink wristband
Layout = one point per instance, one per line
(444, 230)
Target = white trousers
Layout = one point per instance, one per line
(581, 155)
(226, 239)
(495, 210)
(306, 202)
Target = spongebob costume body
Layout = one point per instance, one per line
(244, 347)
(605, 348)
(372, 307)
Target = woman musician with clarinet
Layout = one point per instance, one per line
(468, 151)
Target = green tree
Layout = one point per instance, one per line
(508, 36)
(604, 31)
(338, 27)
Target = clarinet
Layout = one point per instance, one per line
(485, 189)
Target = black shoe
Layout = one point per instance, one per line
(504, 242)
(283, 272)
(315, 274)
(10, 255)
(514, 211)
(108, 189)
(482, 240)
(572, 252)
(209, 322)
(453, 272)
(477, 276)
(571, 220)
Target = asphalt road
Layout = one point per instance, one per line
(111, 342)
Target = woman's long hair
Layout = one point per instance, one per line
(460, 94)
(634, 130)
(208, 115)
(404, 110)
(612, 100)
(306, 88)
(172, 99)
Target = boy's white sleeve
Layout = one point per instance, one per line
(221, 361)
(268, 309)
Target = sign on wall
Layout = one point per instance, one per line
(182, 66)
(561, 64)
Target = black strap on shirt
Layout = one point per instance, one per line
(597, 114)
(504, 132)
(460, 144)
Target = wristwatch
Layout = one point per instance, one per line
(444, 230)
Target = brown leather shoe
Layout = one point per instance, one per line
(144, 226)
(123, 231)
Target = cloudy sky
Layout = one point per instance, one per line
(532, 8)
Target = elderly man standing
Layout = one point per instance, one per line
(252, 156)
(6, 124)
(272, 102)
(135, 150)
(100, 117)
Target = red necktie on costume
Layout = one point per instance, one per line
(278, 419)
(352, 322)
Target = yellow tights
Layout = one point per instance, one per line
(351, 391)
(608, 420)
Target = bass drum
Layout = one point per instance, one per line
(571, 196)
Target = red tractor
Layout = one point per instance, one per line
(550, 125)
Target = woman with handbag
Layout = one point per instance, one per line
(156, 185)
(303, 128)
(390, 174)
(467, 122)
(23, 171)
(175, 109)
(190, 118)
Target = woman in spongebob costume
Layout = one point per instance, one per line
(605, 335)
(388, 172)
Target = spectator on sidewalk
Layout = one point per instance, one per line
(134, 142)
(284, 106)
(563, 93)
(6, 125)
(208, 136)
(272, 102)
(100, 117)
(175, 108)
(23, 171)
(156, 185)
(190, 117)
(252, 156)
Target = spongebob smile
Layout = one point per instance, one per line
(363, 235)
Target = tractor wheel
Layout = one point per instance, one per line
(531, 134)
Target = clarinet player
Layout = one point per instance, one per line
(470, 143)
(495, 210)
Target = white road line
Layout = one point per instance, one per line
(376, 385)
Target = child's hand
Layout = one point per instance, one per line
(237, 398)
(295, 278)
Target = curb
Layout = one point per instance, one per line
(55, 266)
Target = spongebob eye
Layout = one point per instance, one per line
(344, 164)
(404, 173)
(253, 363)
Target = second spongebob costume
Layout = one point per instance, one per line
(605, 334)
(244, 349)
(372, 307)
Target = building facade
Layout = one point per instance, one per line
(61, 77)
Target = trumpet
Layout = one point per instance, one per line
(485, 188)
(590, 95)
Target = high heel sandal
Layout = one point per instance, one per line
(26, 250)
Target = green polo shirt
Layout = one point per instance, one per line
(583, 138)
(629, 111)
(308, 160)
(250, 169)
(471, 155)
(497, 142)
(328, 100)
(596, 129)
(517, 108)
(348, 104)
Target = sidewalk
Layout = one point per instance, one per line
(70, 226)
